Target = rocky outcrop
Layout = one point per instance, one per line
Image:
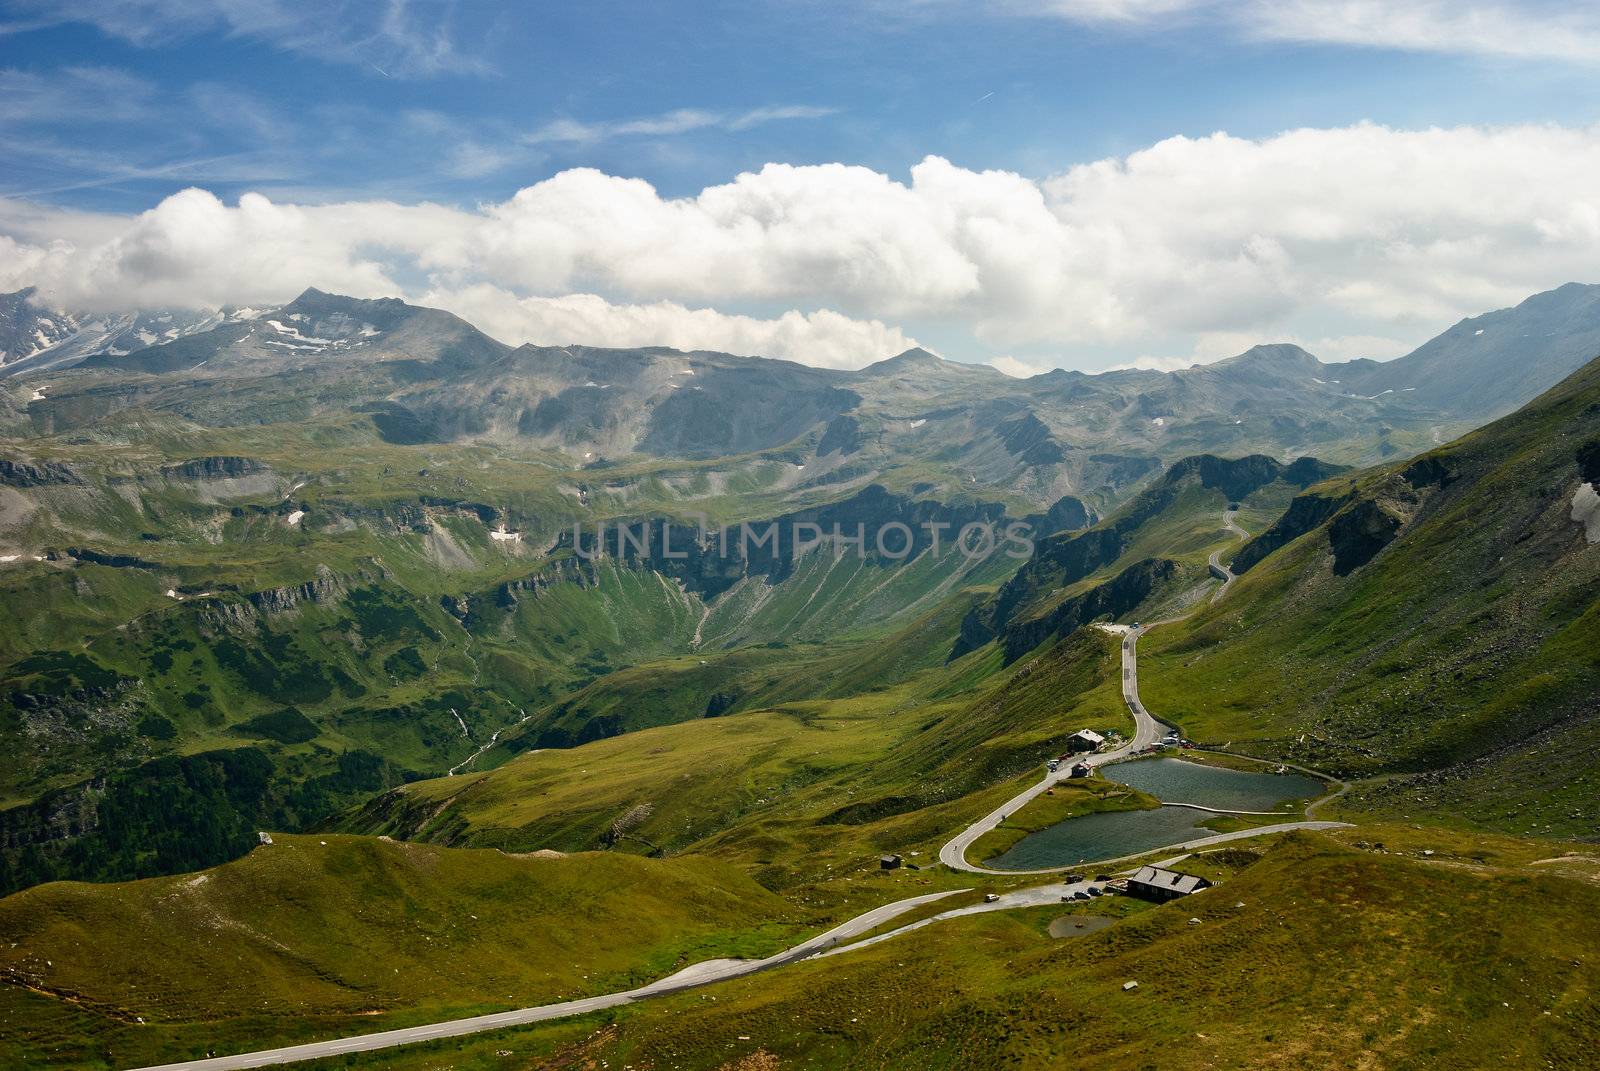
(1360, 523)
(1431, 470)
(15, 472)
(116, 561)
(325, 588)
(1029, 439)
(842, 435)
(1117, 596)
(1068, 513)
(1358, 533)
(1306, 513)
(216, 468)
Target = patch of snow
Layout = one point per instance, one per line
(1160, 422)
(918, 423)
(172, 593)
(294, 518)
(1479, 331)
(9, 557)
(1404, 389)
(294, 332)
(38, 393)
(145, 337)
(501, 535)
(368, 331)
(1317, 381)
(591, 383)
(1586, 511)
(798, 468)
(1237, 422)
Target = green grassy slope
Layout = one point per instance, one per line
(1439, 615)
(1316, 956)
(794, 789)
(313, 936)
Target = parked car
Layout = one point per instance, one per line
(1102, 877)
(1093, 891)
(1072, 879)
(1080, 895)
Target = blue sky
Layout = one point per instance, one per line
(109, 108)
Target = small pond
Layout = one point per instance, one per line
(1105, 835)
(1177, 781)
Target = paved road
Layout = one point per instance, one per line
(1220, 571)
(700, 974)
(1147, 730)
(1037, 896)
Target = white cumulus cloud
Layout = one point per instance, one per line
(1351, 237)
(823, 338)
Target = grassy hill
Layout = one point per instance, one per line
(312, 936)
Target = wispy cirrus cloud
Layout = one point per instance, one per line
(667, 124)
(77, 93)
(1528, 29)
(395, 38)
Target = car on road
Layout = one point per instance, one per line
(991, 898)
(1080, 895)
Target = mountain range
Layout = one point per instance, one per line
(424, 376)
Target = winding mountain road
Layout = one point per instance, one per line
(1220, 571)
(1147, 731)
